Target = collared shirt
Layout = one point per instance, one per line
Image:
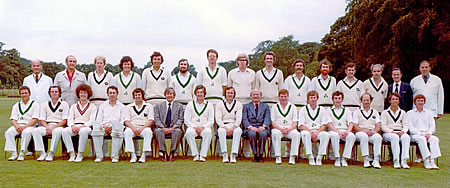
(366, 119)
(229, 113)
(378, 92)
(25, 112)
(107, 113)
(284, 117)
(38, 91)
(325, 88)
(155, 82)
(352, 91)
(433, 91)
(139, 116)
(396, 85)
(421, 123)
(298, 88)
(69, 87)
(79, 114)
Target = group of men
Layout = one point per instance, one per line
(241, 105)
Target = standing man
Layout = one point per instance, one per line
(340, 124)
(402, 88)
(351, 87)
(38, 82)
(229, 118)
(24, 116)
(324, 84)
(141, 121)
(100, 80)
(243, 80)
(127, 81)
(394, 125)
(199, 119)
(376, 87)
(431, 87)
(168, 120)
(422, 127)
(183, 83)
(53, 117)
(269, 80)
(69, 80)
(313, 126)
(256, 120)
(284, 124)
(213, 77)
(367, 126)
(155, 80)
(112, 114)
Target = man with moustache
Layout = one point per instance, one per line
(324, 84)
(183, 83)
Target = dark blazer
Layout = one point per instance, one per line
(249, 116)
(406, 100)
(160, 111)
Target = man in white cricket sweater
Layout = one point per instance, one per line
(431, 87)
(377, 87)
(199, 119)
(313, 126)
(213, 77)
(394, 124)
(284, 124)
(155, 80)
(100, 80)
(112, 115)
(367, 126)
(269, 80)
(183, 83)
(127, 80)
(53, 117)
(422, 127)
(24, 117)
(324, 84)
(340, 124)
(351, 87)
(229, 118)
(139, 124)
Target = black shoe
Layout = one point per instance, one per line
(172, 156)
(164, 157)
(261, 159)
(255, 159)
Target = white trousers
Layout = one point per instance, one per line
(349, 142)
(434, 151)
(83, 137)
(323, 138)
(10, 134)
(364, 140)
(206, 141)
(395, 145)
(147, 134)
(39, 132)
(294, 135)
(222, 133)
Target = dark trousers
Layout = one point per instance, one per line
(176, 135)
(257, 141)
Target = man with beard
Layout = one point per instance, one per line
(324, 84)
(183, 83)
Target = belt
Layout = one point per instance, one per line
(270, 102)
(78, 123)
(218, 98)
(126, 104)
(326, 105)
(183, 103)
(152, 98)
(299, 105)
(52, 122)
(97, 99)
(351, 105)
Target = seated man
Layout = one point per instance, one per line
(53, 117)
(312, 123)
(340, 124)
(367, 126)
(141, 121)
(394, 125)
(229, 118)
(24, 116)
(81, 116)
(256, 121)
(284, 124)
(112, 115)
(199, 119)
(171, 113)
(422, 127)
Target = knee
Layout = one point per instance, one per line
(434, 139)
(176, 131)
(221, 131)
(251, 133)
(237, 131)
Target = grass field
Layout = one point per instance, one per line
(213, 173)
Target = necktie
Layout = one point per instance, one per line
(396, 87)
(256, 109)
(425, 78)
(37, 78)
(169, 116)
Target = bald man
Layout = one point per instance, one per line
(38, 82)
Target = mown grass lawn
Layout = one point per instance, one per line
(213, 173)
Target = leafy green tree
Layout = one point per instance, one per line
(229, 65)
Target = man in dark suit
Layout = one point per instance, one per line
(402, 88)
(256, 121)
(168, 119)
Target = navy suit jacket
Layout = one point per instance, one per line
(249, 116)
(406, 100)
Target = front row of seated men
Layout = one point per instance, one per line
(317, 126)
